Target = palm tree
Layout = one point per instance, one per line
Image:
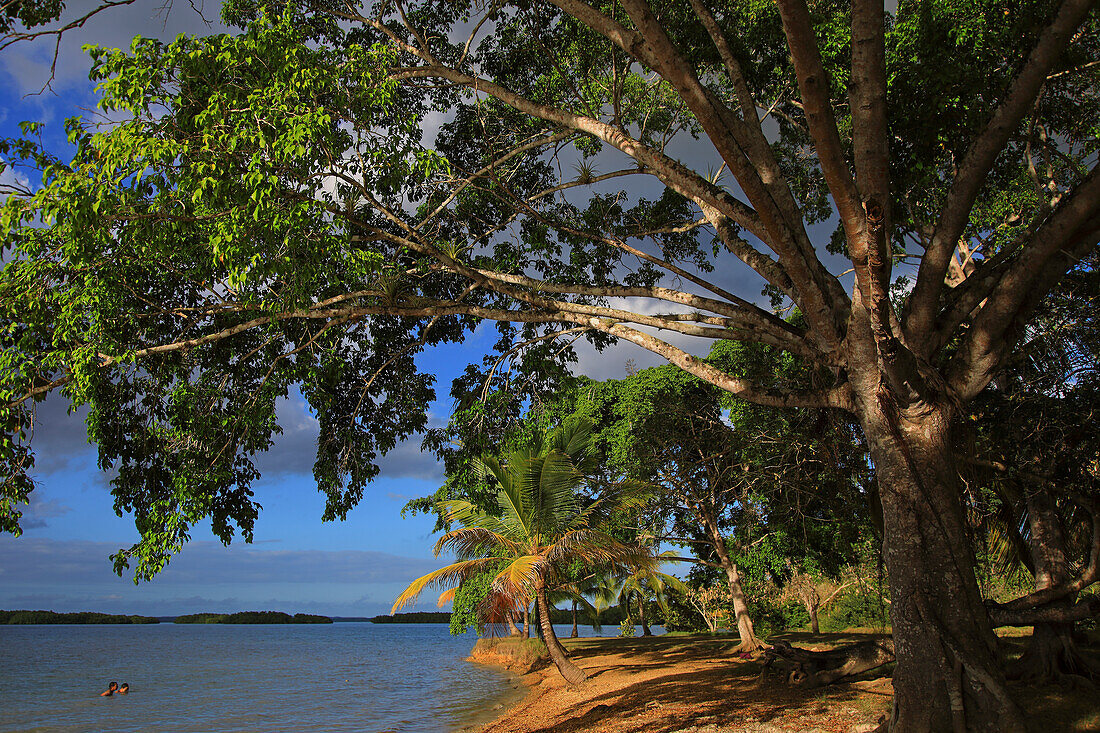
(645, 583)
(540, 527)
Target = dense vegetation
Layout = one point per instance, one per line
(78, 617)
(252, 617)
(917, 191)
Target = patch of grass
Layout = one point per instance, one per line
(519, 652)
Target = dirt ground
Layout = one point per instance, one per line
(694, 684)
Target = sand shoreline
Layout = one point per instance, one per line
(694, 684)
(682, 684)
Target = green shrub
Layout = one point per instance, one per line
(626, 628)
(855, 609)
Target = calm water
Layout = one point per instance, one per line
(211, 678)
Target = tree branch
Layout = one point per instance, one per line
(979, 159)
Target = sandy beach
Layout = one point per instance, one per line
(695, 685)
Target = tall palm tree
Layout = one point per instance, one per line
(540, 527)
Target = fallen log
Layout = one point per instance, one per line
(806, 668)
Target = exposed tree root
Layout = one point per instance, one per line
(748, 646)
(814, 669)
(1052, 656)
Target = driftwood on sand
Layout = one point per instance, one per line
(813, 669)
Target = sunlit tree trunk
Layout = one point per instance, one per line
(574, 633)
(745, 629)
(573, 674)
(646, 631)
(512, 629)
(811, 608)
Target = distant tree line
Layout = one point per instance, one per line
(252, 617)
(79, 617)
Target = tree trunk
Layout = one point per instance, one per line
(526, 623)
(937, 613)
(646, 631)
(574, 633)
(536, 624)
(1051, 654)
(512, 630)
(573, 674)
(749, 642)
(812, 609)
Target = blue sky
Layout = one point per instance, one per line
(297, 564)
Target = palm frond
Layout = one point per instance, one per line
(469, 542)
(452, 574)
(470, 515)
(519, 578)
(445, 597)
(512, 498)
(596, 548)
(551, 483)
(496, 606)
(572, 438)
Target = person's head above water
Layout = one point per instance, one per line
(124, 688)
(110, 690)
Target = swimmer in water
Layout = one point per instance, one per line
(111, 689)
(124, 689)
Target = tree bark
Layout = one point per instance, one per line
(512, 630)
(930, 562)
(526, 623)
(536, 623)
(813, 669)
(574, 633)
(646, 631)
(749, 642)
(811, 608)
(1051, 654)
(573, 674)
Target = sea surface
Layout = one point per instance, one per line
(213, 678)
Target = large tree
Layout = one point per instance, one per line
(265, 214)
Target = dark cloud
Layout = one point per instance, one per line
(60, 439)
(39, 510)
(128, 603)
(77, 576)
(294, 452)
(43, 562)
(407, 461)
(60, 443)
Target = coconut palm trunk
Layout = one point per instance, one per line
(573, 674)
(646, 631)
(574, 633)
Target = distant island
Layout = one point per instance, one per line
(416, 617)
(252, 617)
(79, 617)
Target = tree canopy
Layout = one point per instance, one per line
(268, 213)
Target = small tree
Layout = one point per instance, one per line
(814, 592)
(541, 528)
(711, 603)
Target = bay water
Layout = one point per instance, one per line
(212, 678)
